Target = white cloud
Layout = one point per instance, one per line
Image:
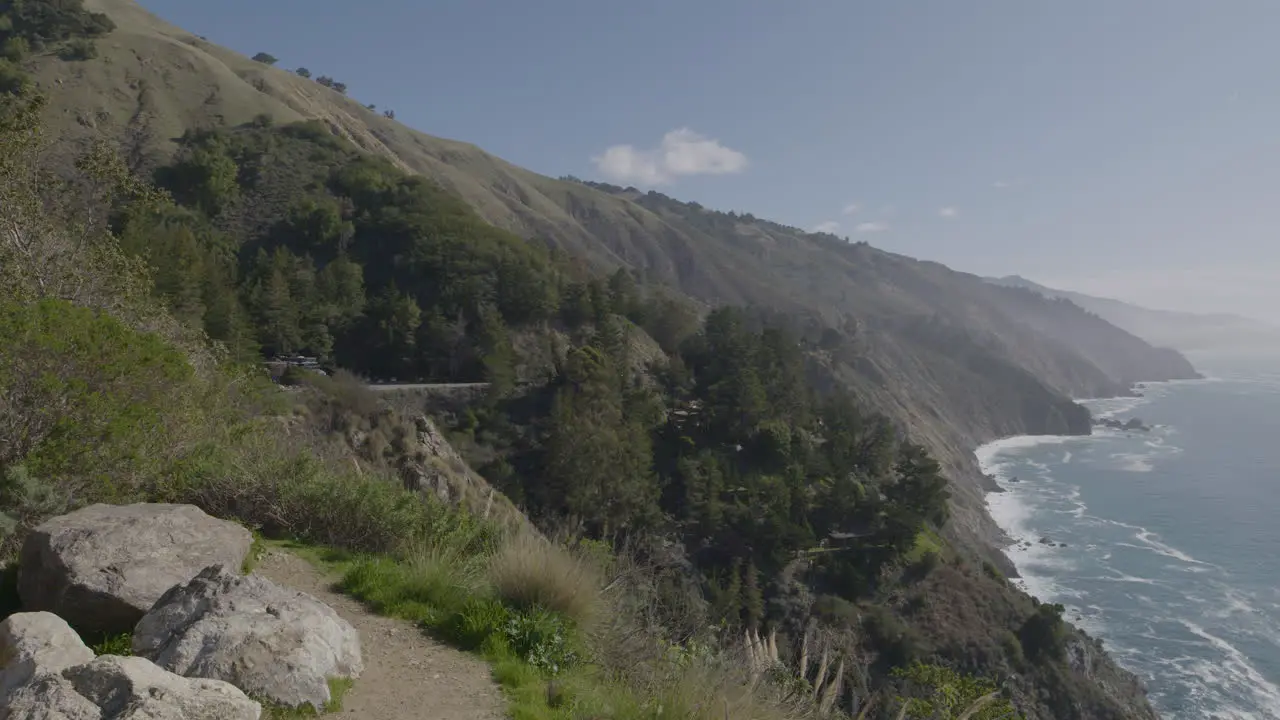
(871, 227)
(682, 152)
(948, 212)
(851, 209)
(830, 226)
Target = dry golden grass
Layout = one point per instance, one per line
(529, 571)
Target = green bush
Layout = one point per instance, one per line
(79, 49)
(121, 644)
(540, 638)
(87, 399)
(1043, 634)
(477, 621)
(933, 692)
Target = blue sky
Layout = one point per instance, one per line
(1123, 147)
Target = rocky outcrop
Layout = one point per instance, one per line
(101, 568)
(272, 642)
(47, 672)
(1132, 424)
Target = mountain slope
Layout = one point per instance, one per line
(1181, 330)
(153, 82)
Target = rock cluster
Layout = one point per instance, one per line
(208, 642)
(49, 672)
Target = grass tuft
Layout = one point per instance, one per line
(121, 644)
(529, 572)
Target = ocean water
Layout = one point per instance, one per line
(1166, 544)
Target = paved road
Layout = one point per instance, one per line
(389, 387)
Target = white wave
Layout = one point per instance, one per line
(990, 453)
(1152, 540)
(1134, 462)
(1237, 672)
(1066, 457)
(1106, 408)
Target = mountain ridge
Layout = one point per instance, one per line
(1183, 331)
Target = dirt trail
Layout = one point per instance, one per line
(407, 675)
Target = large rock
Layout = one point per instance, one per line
(274, 643)
(48, 697)
(47, 673)
(131, 688)
(104, 566)
(37, 643)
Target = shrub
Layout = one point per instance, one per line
(934, 692)
(79, 49)
(540, 638)
(284, 492)
(15, 49)
(24, 502)
(1043, 634)
(477, 621)
(13, 80)
(85, 398)
(529, 572)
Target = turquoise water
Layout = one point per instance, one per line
(1172, 537)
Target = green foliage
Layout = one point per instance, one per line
(79, 49)
(24, 501)
(343, 256)
(15, 49)
(933, 692)
(13, 79)
(1044, 634)
(899, 645)
(121, 645)
(303, 72)
(43, 22)
(256, 550)
(540, 638)
(82, 394)
(266, 58)
(329, 82)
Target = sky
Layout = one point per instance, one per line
(1129, 148)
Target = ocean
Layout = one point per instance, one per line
(1166, 543)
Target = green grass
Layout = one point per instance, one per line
(539, 656)
(254, 556)
(121, 644)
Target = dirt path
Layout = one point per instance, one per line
(407, 675)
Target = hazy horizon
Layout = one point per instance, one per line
(1126, 150)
